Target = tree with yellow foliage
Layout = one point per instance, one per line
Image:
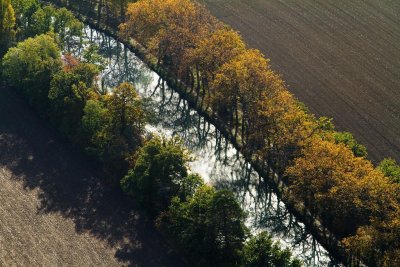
(237, 86)
(342, 189)
(201, 63)
(280, 127)
(7, 25)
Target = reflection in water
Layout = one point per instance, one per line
(215, 159)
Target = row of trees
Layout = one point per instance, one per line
(325, 169)
(207, 224)
(65, 92)
(108, 12)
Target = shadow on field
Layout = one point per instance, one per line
(70, 185)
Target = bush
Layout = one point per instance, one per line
(159, 171)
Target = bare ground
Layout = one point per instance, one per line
(54, 211)
(340, 57)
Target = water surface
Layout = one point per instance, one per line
(215, 158)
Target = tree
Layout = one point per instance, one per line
(279, 127)
(344, 190)
(30, 66)
(127, 115)
(157, 175)
(209, 227)
(67, 26)
(215, 50)
(210, 53)
(7, 25)
(391, 169)
(91, 55)
(24, 10)
(95, 132)
(188, 186)
(95, 119)
(261, 251)
(42, 21)
(69, 91)
(237, 85)
(349, 140)
(228, 229)
(32, 20)
(178, 26)
(377, 244)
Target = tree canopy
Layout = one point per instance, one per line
(159, 171)
(327, 170)
(209, 227)
(7, 25)
(30, 65)
(261, 251)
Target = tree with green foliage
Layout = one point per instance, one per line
(67, 26)
(112, 127)
(30, 67)
(209, 227)
(68, 94)
(91, 55)
(390, 169)
(261, 251)
(159, 169)
(189, 185)
(42, 21)
(7, 25)
(95, 119)
(96, 136)
(127, 115)
(33, 19)
(349, 140)
(24, 10)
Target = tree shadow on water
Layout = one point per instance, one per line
(70, 185)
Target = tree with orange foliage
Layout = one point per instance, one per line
(325, 169)
(280, 127)
(237, 86)
(168, 27)
(377, 244)
(344, 190)
(209, 55)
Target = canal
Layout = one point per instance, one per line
(214, 158)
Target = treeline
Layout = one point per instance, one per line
(206, 224)
(325, 169)
(108, 12)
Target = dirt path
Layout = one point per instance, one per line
(340, 57)
(53, 209)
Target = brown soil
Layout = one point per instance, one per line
(54, 211)
(340, 57)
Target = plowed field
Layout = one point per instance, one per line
(340, 57)
(54, 211)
